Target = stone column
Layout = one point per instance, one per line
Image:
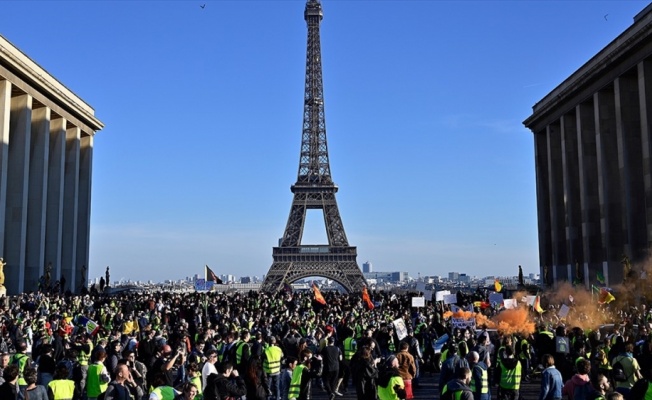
(571, 184)
(543, 209)
(609, 183)
(84, 207)
(70, 206)
(555, 183)
(645, 101)
(36, 204)
(5, 112)
(56, 180)
(630, 164)
(589, 198)
(17, 192)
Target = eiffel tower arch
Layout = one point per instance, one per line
(314, 189)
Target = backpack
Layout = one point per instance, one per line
(561, 344)
(618, 372)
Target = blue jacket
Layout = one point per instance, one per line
(551, 384)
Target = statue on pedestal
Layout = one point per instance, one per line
(108, 276)
(48, 276)
(520, 275)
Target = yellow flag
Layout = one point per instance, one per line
(498, 286)
(537, 305)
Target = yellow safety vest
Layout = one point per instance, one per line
(388, 393)
(165, 392)
(510, 378)
(21, 360)
(272, 363)
(485, 381)
(94, 387)
(62, 389)
(349, 348)
(295, 383)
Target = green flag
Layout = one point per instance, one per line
(600, 277)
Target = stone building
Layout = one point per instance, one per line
(46, 157)
(592, 141)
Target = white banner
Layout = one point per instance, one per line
(450, 298)
(563, 311)
(510, 303)
(418, 302)
(439, 295)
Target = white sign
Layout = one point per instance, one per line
(530, 300)
(418, 302)
(563, 311)
(399, 328)
(439, 295)
(450, 298)
(510, 303)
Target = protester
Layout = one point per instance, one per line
(551, 381)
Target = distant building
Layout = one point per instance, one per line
(453, 276)
(387, 277)
(464, 278)
(367, 267)
(245, 279)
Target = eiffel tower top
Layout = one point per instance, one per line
(314, 166)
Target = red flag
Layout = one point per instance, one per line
(366, 299)
(318, 297)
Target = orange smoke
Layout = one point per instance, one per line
(458, 314)
(514, 321)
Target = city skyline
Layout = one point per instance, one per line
(202, 111)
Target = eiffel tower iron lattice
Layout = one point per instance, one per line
(314, 189)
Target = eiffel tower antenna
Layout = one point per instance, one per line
(314, 189)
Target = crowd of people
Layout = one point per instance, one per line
(284, 346)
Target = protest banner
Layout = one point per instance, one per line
(200, 285)
(439, 295)
(463, 323)
(563, 311)
(418, 302)
(510, 303)
(450, 298)
(400, 328)
(439, 343)
(495, 298)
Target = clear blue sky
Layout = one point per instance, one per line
(203, 109)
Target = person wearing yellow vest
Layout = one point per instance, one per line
(83, 348)
(161, 390)
(243, 352)
(98, 377)
(390, 383)
(22, 360)
(61, 388)
(510, 376)
(195, 377)
(479, 377)
(300, 385)
(458, 388)
(272, 357)
(601, 387)
(349, 347)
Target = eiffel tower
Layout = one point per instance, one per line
(314, 190)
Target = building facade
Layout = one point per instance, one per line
(46, 156)
(593, 143)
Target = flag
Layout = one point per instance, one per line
(318, 297)
(605, 297)
(537, 305)
(287, 287)
(498, 286)
(477, 304)
(367, 299)
(600, 277)
(211, 277)
(90, 326)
